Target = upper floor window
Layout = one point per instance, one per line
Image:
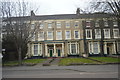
(4, 23)
(58, 35)
(67, 24)
(41, 35)
(76, 24)
(88, 34)
(49, 25)
(76, 34)
(116, 33)
(32, 26)
(32, 36)
(68, 34)
(50, 35)
(58, 25)
(97, 33)
(105, 23)
(41, 25)
(115, 23)
(88, 23)
(106, 33)
(97, 23)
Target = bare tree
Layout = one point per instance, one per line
(18, 24)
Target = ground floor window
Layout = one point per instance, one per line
(94, 47)
(37, 49)
(72, 48)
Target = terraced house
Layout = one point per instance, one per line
(74, 34)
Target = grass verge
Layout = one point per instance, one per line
(25, 62)
(106, 59)
(70, 61)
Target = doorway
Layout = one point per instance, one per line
(59, 51)
(51, 52)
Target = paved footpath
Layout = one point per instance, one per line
(81, 71)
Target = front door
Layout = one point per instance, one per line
(59, 52)
(51, 52)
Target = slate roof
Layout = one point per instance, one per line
(62, 16)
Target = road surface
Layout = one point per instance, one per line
(81, 71)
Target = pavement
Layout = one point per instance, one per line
(54, 71)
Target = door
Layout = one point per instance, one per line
(108, 50)
(59, 52)
(51, 52)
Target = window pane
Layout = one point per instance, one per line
(50, 35)
(59, 35)
(76, 34)
(97, 23)
(67, 24)
(58, 25)
(107, 33)
(67, 34)
(95, 48)
(35, 49)
(41, 35)
(32, 26)
(106, 23)
(73, 48)
(49, 25)
(116, 33)
(88, 23)
(41, 26)
(76, 24)
(88, 34)
(97, 33)
(115, 23)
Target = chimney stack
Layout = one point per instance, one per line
(78, 11)
(32, 13)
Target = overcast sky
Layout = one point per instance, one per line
(50, 7)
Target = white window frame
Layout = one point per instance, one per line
(114, 33)
(32, 36)
(40, 35)
(76, 24)
(39, 50)
(58, 26)
(115, 23)
(91, 47)
(58, 36)
(41, 26)
(107, 33)
(96, 34)
(95, 47)
(88, 21)
(47, 35)
(78, 34)
(70, 48)
(67, 24)
(97, 23)
(106, 23)
(50, 25)
(90, 33)
(34, 49)
(66, 34)
(32, 26)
